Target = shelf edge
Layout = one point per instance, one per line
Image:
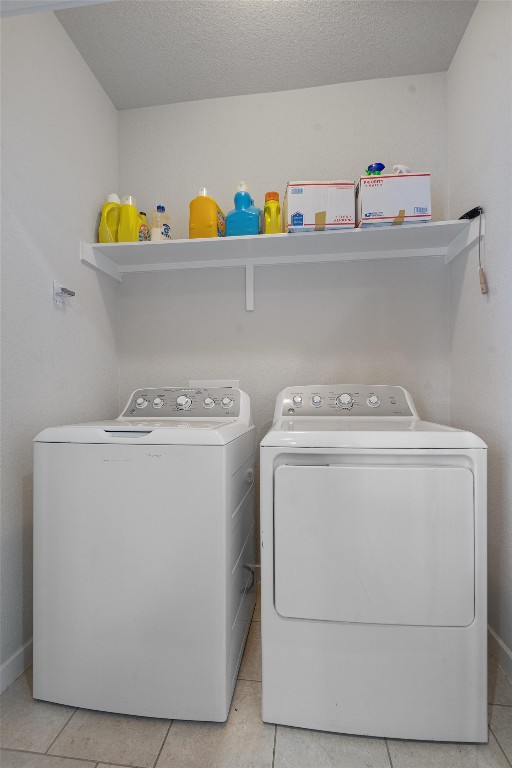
(98, 261)
(463, 241)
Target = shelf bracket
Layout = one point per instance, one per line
(249, 287)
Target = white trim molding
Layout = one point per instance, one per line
(15, 665)
(500, 651)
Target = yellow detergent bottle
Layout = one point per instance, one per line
(272, 212)
(109, 221)
(206, 218)
(129, 221)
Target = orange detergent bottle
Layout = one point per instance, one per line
(206, 218)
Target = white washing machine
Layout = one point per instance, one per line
(373, 547)
(143, 555)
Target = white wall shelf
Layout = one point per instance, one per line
(442, 239)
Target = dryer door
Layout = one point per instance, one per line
(375, 544)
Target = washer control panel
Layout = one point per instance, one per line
(179, 401)
(345, 400)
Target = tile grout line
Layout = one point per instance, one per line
(274, 750)
(499, 745)
(389, 753)
(59, 733)
(162, 745)
(94, 763)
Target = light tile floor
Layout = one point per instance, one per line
(36, 734)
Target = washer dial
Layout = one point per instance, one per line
(208, 402)
(297, 401)
(158, 402)
(373, 401)
(227, 402)
(316, 401)
(183, 403)
(345, 401)
(141, 402)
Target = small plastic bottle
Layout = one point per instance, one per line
(109, 221)
(160, 224)
(144, 233)
(245, 219)
(272, 211)
(129, 221)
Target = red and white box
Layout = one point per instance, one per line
(318, 205)
(402, 198)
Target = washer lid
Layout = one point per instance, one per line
(363, 432)
(134, 432)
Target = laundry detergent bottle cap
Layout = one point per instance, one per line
(160, 208)
(129, 200)
(242, 197)
(113, 198)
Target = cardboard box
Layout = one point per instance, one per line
(393, 199)
(318, 205)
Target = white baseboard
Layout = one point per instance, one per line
(500, 651)
(15, 665)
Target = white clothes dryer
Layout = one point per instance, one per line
(143, 555)
(373, 551)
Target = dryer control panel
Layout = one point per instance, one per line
(345, 400)
(172, 402)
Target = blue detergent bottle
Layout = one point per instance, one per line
(245, 219)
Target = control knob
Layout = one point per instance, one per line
(158, 402)
(183, 403)
(345, 401)
(141, 402)
(373, 401)
(297, 400)
(208, 402)
(316, 400)
(226, 402)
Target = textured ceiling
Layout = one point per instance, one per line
(149, 52)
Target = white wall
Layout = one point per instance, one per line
(59, 160)
(167, 153)
(379, 322)
(480, 162)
